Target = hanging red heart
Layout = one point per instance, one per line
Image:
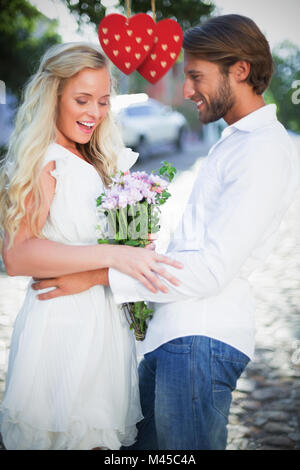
(127, 41)
(166, 49)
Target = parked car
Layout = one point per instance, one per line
(146, 123)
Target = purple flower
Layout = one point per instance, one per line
(131, 188)
(158, 181)
(109, 203)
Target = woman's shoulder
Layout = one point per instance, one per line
(54, 152)
(54, 161)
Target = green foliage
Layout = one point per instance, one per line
(25, 34)
(103, 241)
(287, 62)
(99, 200)
(187, 12)
(131, 226)
(167, 170)
(138, 314)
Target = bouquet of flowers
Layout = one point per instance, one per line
(129, 211)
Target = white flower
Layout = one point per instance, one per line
(126, 159)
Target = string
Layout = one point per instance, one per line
(152, 5)
(128, 9)
(153, 10)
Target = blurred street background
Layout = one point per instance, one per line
(265, 412)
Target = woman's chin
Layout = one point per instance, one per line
(82, 139)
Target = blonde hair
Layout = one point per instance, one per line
(21, 168)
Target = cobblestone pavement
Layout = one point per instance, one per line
(265, 412)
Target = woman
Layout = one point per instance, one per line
(72, 380)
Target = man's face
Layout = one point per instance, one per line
(210, 89)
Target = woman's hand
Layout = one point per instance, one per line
(140, 263)
(144, 265)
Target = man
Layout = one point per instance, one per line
(202, 334)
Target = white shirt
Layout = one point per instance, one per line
(241, 193)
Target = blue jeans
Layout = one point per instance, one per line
(186, 389)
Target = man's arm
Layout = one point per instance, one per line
(70, 283)
(254, 183)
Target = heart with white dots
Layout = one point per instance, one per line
(139, 43)
(126, 41)
(167, 46)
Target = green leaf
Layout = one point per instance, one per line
(99, 199)
(132, 242)
(167, 170)
(103, 241)
(162, 170)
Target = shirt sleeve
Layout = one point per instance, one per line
(253, 182)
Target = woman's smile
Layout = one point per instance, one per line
(86, 126)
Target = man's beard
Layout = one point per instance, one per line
(220, 103)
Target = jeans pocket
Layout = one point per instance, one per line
(225, 374)
(181, 345)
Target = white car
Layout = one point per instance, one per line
(146, 122)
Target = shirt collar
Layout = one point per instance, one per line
(253, 121)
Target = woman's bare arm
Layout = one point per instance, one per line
(30, 256)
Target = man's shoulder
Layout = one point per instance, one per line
(273, 140)
(265, 149)
(265, 133)
(267, 139)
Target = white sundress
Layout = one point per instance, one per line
(72, 379)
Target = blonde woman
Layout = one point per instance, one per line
(72, 379)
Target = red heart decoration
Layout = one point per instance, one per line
(127, 41)
(166, 49)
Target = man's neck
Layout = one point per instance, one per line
(243, 107)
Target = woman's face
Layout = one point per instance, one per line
(83, 104)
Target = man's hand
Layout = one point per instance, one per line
(71, 283)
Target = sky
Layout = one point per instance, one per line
(278, 19)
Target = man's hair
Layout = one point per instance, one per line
(227, 39)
